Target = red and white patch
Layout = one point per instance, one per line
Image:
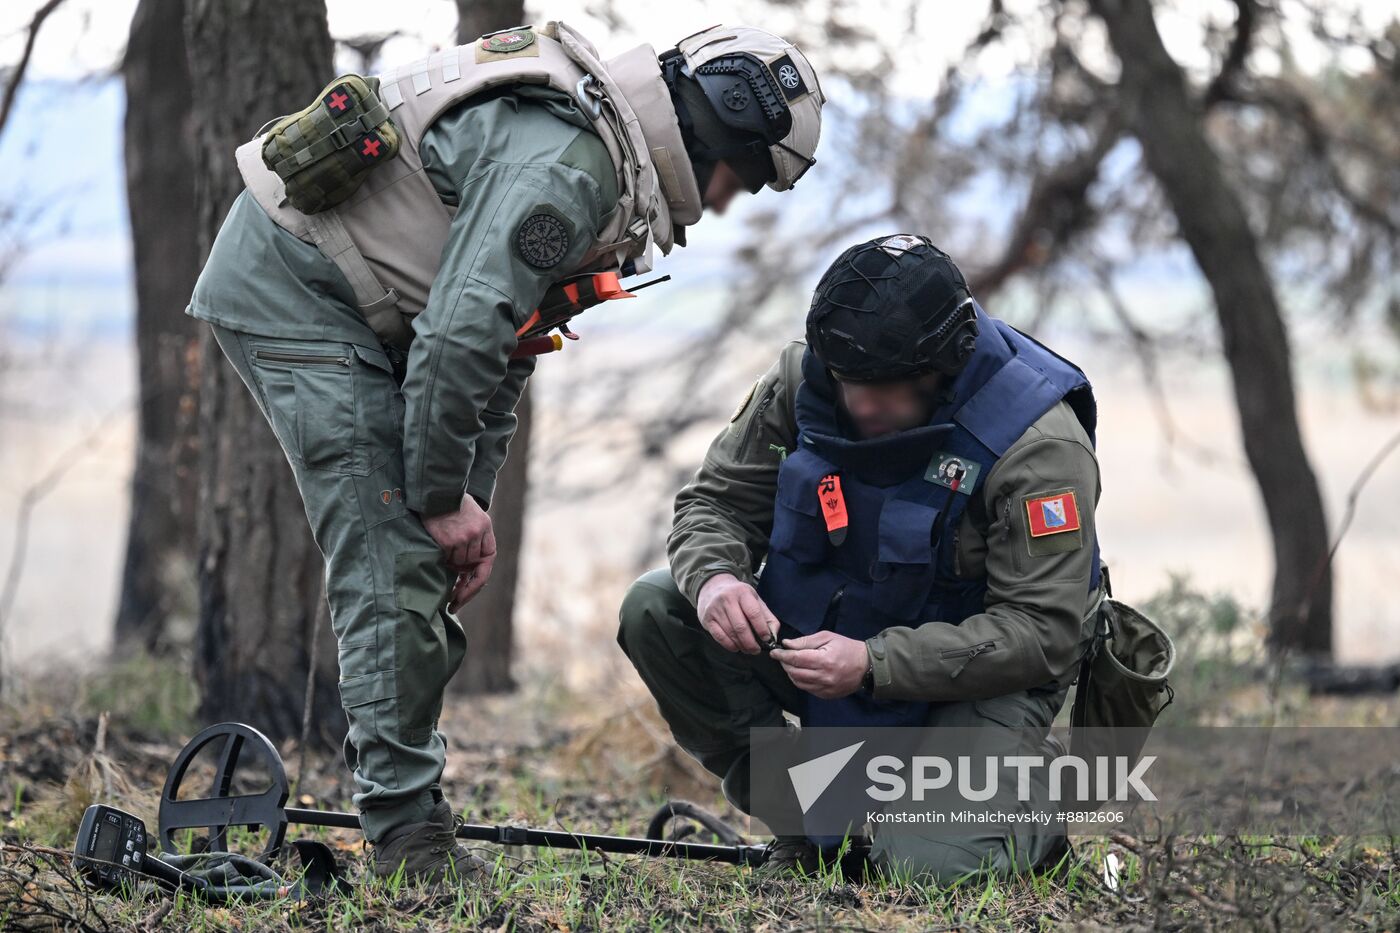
(1052, 515)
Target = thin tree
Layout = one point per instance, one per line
(262, 610)
(1168, 121)
(490, 618)
(158, 575)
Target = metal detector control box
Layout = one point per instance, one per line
(110, 845)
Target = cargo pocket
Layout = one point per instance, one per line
(363, 689)
(422, 652)
(311, 390)
(904, 573)
(364, 698)
(799, 532)
(379, 407)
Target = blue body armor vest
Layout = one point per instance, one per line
(895, 566)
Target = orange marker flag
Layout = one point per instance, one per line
(833, 503)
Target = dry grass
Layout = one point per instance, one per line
(545, 758)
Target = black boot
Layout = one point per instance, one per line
(790, 856)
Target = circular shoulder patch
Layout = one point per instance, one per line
(542, 240)
(511, 41)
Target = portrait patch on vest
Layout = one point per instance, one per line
(542, 240)
(1052, 522)
(956, 473)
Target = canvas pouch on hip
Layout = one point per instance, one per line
(1122, 686)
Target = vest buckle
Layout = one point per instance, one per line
(591, 105)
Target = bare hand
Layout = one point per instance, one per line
(734, 615)
(825, 664)
(468, 545)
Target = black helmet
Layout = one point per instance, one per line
(730, 108)
(892, 308)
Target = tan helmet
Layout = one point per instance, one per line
(783, 93)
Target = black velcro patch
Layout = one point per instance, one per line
(338, 100)
(789, 78)
(542, 240)
(371, 147)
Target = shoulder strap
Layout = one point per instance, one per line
(378, 304)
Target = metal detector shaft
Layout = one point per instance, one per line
(561, 839)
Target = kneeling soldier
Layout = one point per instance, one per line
(953, 579)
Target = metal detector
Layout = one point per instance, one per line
(237, 744)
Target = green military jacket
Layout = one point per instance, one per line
(1037, 605)
(488, 157)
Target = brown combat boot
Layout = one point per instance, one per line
(428, 852)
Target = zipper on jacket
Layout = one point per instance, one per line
(272, 357)
(1006, 536)
(749, 428)
(967, 654)
(829, 617)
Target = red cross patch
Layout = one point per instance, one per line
(338, 100)
(370, 148)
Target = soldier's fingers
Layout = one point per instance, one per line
(459, 588)
(488, 543)
(806, 642)
(739, 627)
(717, 632)
(804, 660)
(804, 679)
(474, 544)
(467, 587)
(760, 620)
(479, 575)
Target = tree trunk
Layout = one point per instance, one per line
(158, 577)
(1168, 123)
(489, 619)
(263, 620)
(477, 17)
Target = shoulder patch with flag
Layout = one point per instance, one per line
(1053, 523)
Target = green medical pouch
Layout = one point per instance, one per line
(323, 153)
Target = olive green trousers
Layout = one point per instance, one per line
(711, 698)
(337, 411)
